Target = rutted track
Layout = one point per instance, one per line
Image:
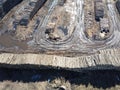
(78, 41)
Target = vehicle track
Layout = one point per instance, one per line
(78, 41)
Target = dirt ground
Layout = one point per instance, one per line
(21, 79)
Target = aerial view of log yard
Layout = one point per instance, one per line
(59, 44)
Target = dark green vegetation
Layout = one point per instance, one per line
(102, 80)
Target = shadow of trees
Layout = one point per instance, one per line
(97, 78)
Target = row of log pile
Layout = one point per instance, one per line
(106, 59)
(118, 5)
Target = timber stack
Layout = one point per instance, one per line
(68, 34)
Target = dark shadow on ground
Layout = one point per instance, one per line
(97, 78)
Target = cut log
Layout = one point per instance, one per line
(106, 59)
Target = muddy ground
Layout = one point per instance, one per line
(24, 79)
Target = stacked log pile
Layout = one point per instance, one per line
(118, 5)
(106, 59)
